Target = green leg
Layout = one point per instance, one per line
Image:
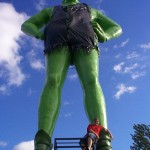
(57, 64)
(87, 68)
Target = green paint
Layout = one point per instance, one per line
(57, 64)
(69, 2)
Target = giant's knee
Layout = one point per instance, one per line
(91, 80)
(53, 80)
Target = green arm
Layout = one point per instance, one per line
(33, 25)
(104, 27)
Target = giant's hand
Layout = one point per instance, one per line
(33, 25)
(104, 27)
(99, 31)
(32, 30)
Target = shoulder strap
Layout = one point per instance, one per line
(55, 9)
(87, 6)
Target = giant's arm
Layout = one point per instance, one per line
(104, 27)
(33, 25)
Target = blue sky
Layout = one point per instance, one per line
(124, 75)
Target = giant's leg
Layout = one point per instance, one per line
(57, 64)
(87, 68)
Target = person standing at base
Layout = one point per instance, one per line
(71, 34)
(94, 135)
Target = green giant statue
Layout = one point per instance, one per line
(71, 35)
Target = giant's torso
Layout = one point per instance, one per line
(70, 24)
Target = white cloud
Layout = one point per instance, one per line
(123, 44)
(36, 44)
(10, 23)
(3, 89)
(136, 75)
(132, 55)
(73, 76)
(37, 64)
(34, 61)
(118, 68)
(145, 46)
(135, 70)
(131, 68)
(122, 89)
(3, 144)
(29, 145)
(40, 4)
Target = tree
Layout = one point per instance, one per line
(141, 137)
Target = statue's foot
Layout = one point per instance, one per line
(42, 141)
(104, 142)
(41, 147)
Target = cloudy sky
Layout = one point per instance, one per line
(124, 75)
